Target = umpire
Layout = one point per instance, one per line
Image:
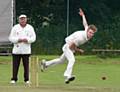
(21, 35)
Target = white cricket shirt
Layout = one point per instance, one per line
(78, 38)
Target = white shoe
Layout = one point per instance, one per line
(27, 82)
(12, 82)
(43, 65)
(69, 79)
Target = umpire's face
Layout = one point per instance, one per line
(23, 21)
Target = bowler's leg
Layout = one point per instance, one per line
(71, 60)
(55, 61)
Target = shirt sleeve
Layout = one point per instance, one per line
(32, 36)
(86, 28)
(13, 36)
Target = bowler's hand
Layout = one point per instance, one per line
(81, 13)
(81, 51)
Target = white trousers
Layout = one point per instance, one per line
(67, 54)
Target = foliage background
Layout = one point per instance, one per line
(103, 13)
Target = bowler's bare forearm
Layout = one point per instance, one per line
(81, 13)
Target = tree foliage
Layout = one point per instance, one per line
(49, 20)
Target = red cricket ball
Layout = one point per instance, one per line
(104, 78)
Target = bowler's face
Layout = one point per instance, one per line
(90, 33)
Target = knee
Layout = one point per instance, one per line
(72, 60)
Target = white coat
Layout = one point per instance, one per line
(19, 32)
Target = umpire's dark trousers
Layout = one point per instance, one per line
(16, 63)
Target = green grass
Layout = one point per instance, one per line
(88, 70)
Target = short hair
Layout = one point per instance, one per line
(92, 27)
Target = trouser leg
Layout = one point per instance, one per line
(56, 61)
(71, 60)
(15, 67)
(25, 59)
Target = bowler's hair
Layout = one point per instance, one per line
(92, 27)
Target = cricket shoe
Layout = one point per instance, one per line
(27, 83)
(12, 82)
(43, 65)
(68, 80)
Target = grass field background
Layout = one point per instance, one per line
(89, 71)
